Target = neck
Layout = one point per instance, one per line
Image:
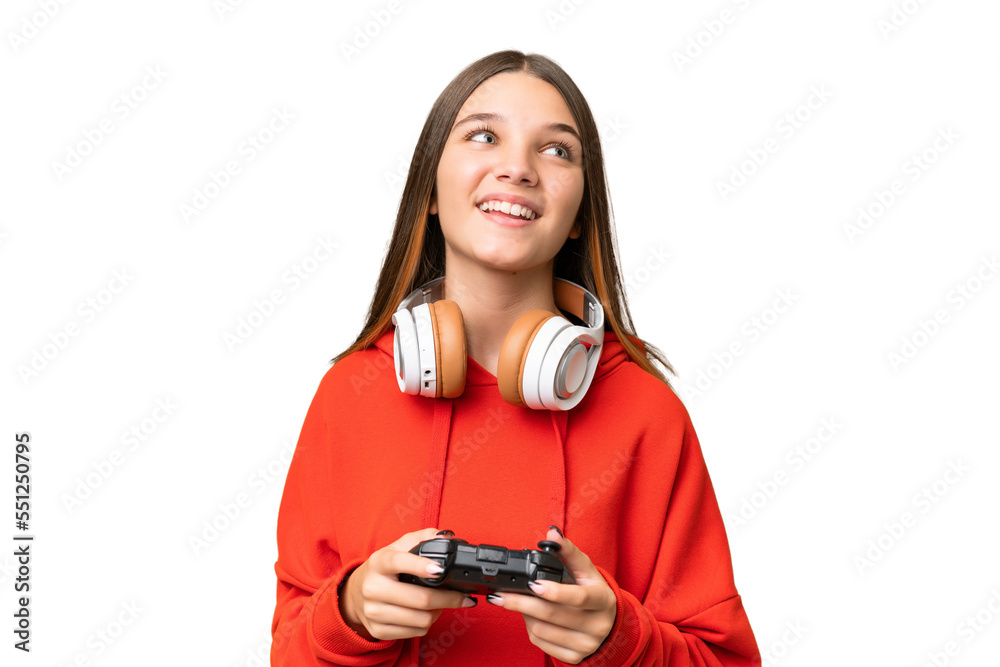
(491, 301)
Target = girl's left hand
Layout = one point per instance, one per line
(567, 621)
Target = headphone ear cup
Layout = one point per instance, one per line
(449, 347)
(514, 350)
(406, 352)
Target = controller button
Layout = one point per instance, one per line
(491, 554)
(435, 547)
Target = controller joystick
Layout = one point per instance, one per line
(548, 546)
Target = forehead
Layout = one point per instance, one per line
(520, 97)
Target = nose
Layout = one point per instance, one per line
(515, 163)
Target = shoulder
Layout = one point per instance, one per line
(357, 378)
(643, 392)
(631, 404)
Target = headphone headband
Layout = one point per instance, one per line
(569, 296)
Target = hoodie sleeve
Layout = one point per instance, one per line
(307, 627)
(691, 613)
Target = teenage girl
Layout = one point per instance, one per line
(498, 391)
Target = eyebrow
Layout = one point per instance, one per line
(498, 118)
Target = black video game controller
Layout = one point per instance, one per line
(483, 568)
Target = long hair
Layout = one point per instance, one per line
(416, 251)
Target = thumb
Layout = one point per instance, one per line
(578, 563)
(410, 540)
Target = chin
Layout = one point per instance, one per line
(502, 255)
(519, 265)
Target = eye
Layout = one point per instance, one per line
(486, 132)
(563, 149)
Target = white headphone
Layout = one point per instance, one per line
(543, 364)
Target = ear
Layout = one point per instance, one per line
(432, 208)
(575, 232)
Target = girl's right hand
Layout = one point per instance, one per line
(377, 605)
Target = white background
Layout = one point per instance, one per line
(672, 131)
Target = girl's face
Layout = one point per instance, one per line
(514, 140)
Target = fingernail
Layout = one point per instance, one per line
(558, 530)
(537, 587)
(470, 602)
(434, 568)
(493, 598)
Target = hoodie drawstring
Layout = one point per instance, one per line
(437, 460)
(557, 486)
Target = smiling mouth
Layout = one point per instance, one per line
(498, 217)
(505, 207)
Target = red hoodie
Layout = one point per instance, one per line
(622, 474)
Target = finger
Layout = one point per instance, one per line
(393, 591)
(579, 644)
(435, 598)
(567, 654)
(380, 631)
(529, 605)
(387, 614)
(584, 621)
(579, 596)
(383, 585)
(391, 562)
(410, 540)
(576, 561)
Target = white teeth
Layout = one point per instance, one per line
(507, 207)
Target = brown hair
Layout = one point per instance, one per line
(416, 251)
